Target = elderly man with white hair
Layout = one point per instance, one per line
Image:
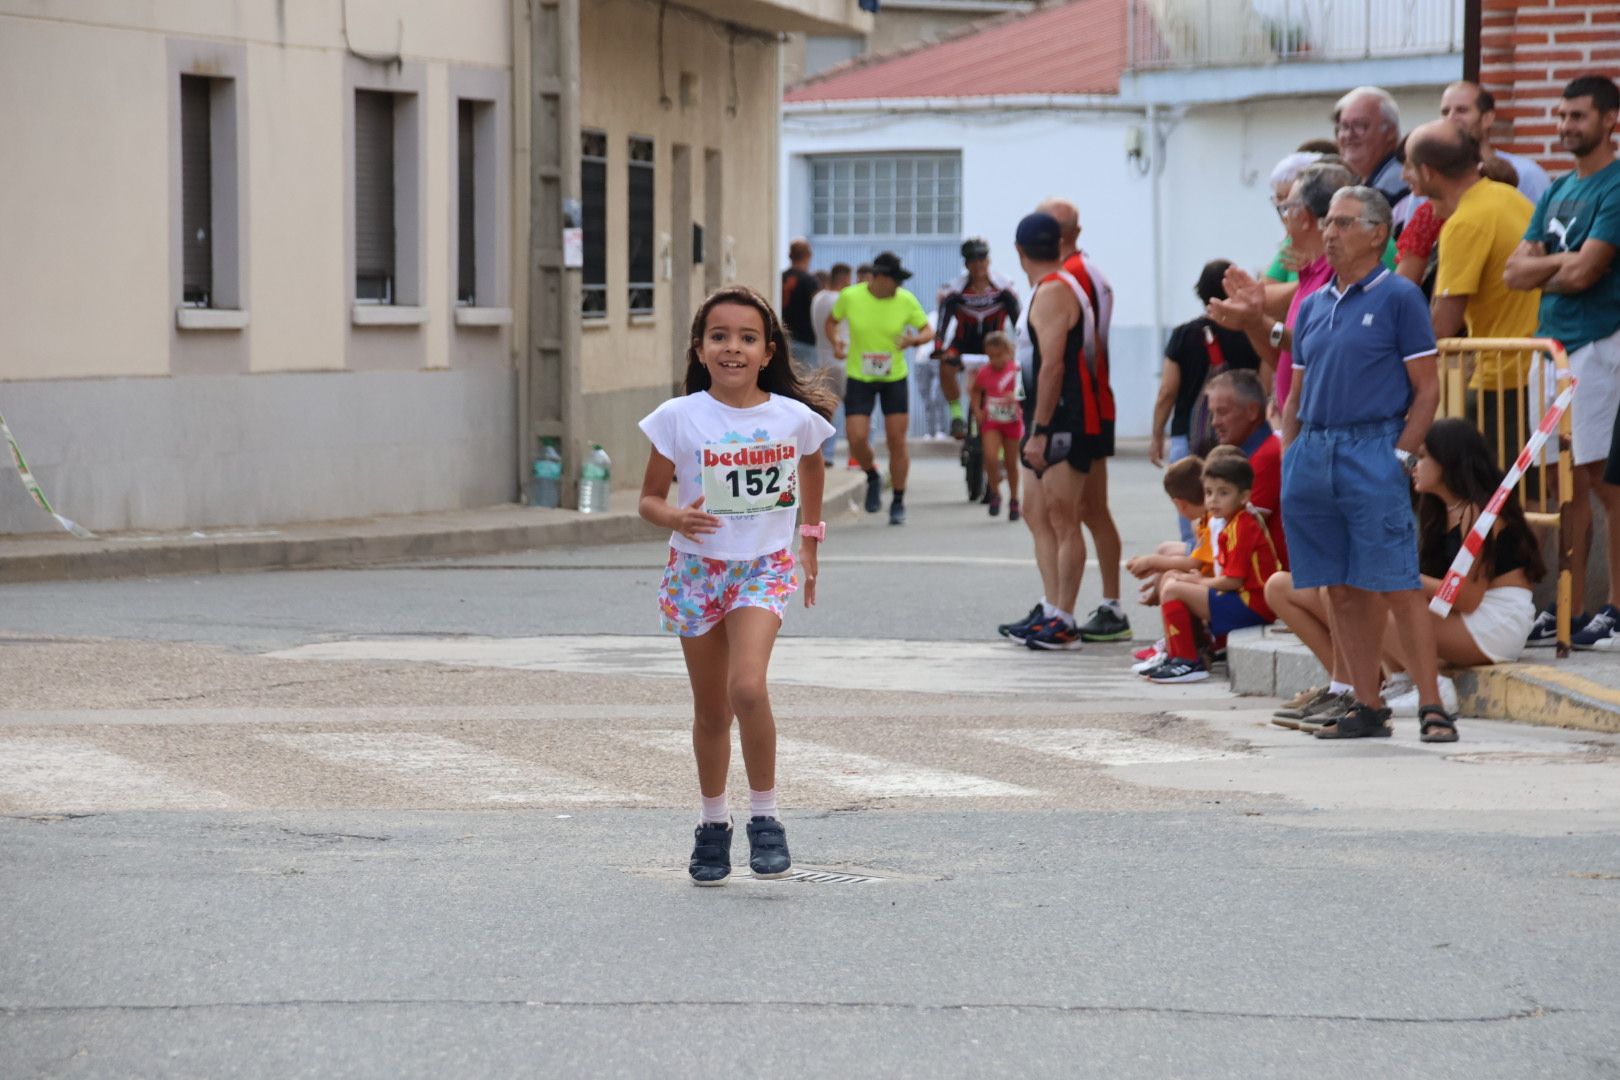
(1367, 127)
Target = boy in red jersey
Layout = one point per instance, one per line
(1236, 597)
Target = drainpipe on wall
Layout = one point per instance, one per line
(1156, 164)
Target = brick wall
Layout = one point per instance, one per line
(1529, 50)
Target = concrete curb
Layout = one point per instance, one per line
(325, 545)
(1263, 665)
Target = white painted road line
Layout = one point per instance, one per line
(1096, 746)
(76, 777)
(449, 769)
(925, 667)
(811, 763)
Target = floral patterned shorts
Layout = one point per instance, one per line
(698, 592)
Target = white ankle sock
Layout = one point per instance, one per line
(1059, 613)
(1337, 687)
(1114, 606)
(714, 810)
(1048, 610)
(762, 803)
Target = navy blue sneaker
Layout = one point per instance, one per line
(1011, 629)
(874, 492)
(1602, 630)
(1544, 631)
(767, 849)
(711, 854)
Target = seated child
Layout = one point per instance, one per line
(1184, 483)
(1235, 597)
(995, 394)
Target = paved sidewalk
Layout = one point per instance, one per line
(47, 557)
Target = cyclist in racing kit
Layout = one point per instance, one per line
(976, 303)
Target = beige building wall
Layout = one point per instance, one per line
(632, 363)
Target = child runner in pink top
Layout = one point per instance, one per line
(997, 405)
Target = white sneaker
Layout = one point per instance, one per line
(1142, 667)
(1397, 684)
(1406, 705)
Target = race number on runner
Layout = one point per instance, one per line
(749, 478)
(877, 365)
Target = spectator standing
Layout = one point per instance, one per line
(1569, 253)
(1473, 109)
(1283, 268)
(1195, 348)
(1108, 622)
(1483, 221)
(1363, 396)
(1367, 125)
(827, 363)
(799, 288)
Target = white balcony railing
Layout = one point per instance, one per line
(1210, 33)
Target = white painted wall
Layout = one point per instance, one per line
(1215, 197)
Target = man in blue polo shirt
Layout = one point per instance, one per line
(1363, 396)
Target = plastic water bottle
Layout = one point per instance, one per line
(546, 490)
(594, 477)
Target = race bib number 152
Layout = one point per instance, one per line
(750, 478)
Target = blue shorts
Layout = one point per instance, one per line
(1228, 612)
(1347, 509)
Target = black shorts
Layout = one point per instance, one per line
(860, 396)
(1063, 446)
(1102, 443)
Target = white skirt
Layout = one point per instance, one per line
(1501, 623)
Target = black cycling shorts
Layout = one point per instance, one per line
(860, 396)
(1076, 449)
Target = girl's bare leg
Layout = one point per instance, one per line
(707, 665)
(752, 634)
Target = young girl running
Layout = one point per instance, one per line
(997, 405)
(744, 444)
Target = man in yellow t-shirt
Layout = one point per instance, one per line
(1484, 222)
(884, 320)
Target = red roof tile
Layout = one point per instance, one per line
(1074, 48)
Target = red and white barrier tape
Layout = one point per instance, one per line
(1464, 562)
(35, 490)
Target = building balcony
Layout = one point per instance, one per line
(792, 16)
(1181, 34)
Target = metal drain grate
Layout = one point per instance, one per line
(816, 877)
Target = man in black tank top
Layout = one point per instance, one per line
(1053, 335)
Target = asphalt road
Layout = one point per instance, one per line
(431, 821)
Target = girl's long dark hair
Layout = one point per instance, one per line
(780, 375)
(1469, 472)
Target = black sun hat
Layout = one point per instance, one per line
(888, 264)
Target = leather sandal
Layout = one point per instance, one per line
(1361, 722)
(1436, 724)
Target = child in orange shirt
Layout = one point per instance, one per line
(1236, 596)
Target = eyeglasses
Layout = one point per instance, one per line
(1340, 221)
(1286, 207)
(1353, 127)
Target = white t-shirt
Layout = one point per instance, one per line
(821, 306)
(744, 462)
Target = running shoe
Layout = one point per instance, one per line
(897, 513)
(1022, 625)
(1406, 704)
(995, 506)
(1155, 649)
(874, 492)
(1601, 632)
(1544, 631)
(767, 849)
(1148, 663)
(711, 854)
(958, 428)
(1106, 624)
(1326, 711)
(1055, 635)
(1294, 708)
(1013, 511)
(853, 465)
(1178, 670)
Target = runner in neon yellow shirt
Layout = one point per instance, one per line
(884, 320)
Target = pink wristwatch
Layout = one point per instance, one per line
(817, 532)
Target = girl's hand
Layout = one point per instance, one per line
(692, 523)
(807, 564)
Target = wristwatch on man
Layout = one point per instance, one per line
(1043, 430)
(1277, 332)
(816, 532)
(1407, 459)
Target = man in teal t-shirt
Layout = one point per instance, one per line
(884, 321)
(1569, 254)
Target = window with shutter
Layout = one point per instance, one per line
(196, 191)
(641, 226)
(466, 205)
(373, 197)
(593, 190)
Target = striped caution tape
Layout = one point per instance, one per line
(34, 489)
(1464, 562)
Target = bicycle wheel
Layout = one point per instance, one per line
(973, 464)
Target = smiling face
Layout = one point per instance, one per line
(1581, 127)
(1364, 134)
(1222, 498)
(734, 348)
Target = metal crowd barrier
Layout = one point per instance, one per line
(1517, 381)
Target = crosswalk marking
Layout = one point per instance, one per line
(811, 763)
(450, 769)
(73, 776)
(896, 666)
(1099, 746)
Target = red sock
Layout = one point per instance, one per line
(1178, 630)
